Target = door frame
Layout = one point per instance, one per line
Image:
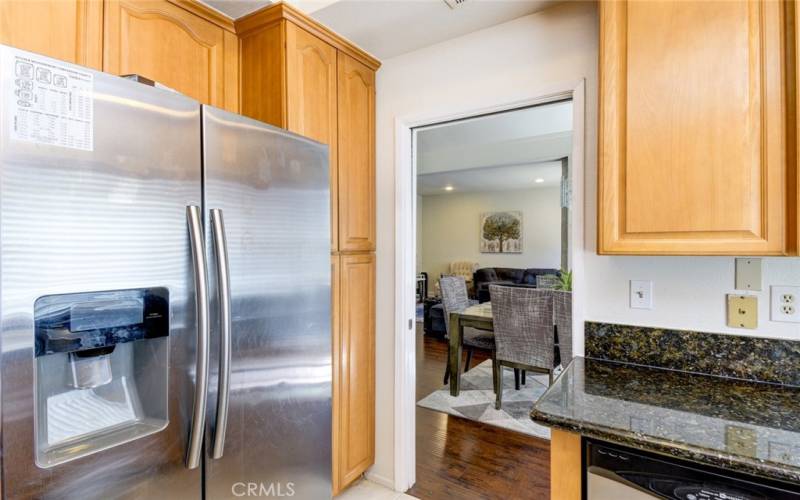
(405, 252)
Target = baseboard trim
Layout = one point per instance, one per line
(378, 479)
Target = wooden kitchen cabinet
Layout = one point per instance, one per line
(354, 439)
(356, 155)
(566, 470)
(692, 148)
(68, 30)
(311, 104)
(299, 75)
(336, 349)
(171, 45)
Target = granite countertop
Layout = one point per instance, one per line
(746, 426)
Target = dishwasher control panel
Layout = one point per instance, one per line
(614, 472)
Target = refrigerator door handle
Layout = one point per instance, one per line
(197, 244)
(224, 290)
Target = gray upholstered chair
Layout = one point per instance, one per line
(526, 321)
(562, 320)
(547, 281)
(455, 299)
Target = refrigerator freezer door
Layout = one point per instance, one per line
(95, 176)
(272, 188)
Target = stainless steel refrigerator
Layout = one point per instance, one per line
(164, 294)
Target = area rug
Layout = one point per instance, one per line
(476, 400)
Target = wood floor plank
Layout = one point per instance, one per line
(462, 459)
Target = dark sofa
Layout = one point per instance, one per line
(506, 276)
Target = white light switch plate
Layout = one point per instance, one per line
(748, 274)
(641, 294)
(784, 304)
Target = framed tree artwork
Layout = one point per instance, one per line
(501, 232)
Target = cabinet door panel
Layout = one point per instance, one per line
(69, 30)
(356, 155)
(311, 100)
(356, 373)
(165, 43)
(263, 79)
(336, 350)
(691, 128)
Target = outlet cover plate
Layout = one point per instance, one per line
(741, 440)
(641, 294)
(784, 304)
(743, 311)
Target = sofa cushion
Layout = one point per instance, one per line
(509, 274)
(529, 276)
(485, 274)
(501, 283)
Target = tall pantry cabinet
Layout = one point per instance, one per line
(297, 74)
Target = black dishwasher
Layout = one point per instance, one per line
(617, 473)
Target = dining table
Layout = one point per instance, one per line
(478, 316)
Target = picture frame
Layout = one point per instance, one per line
(501, 232)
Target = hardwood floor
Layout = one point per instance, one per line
(460, 458)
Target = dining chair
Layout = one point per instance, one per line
(455, 299)
(562, 320)
(547, 281)
(524, 329)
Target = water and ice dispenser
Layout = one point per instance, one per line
(101, 370)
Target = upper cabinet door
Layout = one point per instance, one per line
(311, 100)
(691, 140)
(171, 46)
(69, 30)
(356, 155)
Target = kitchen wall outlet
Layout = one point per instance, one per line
(743, 311)
(785, 304)
(779, 452)
(741, 440)
(641, 294)
(748, 274)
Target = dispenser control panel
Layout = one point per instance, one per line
(91, 321)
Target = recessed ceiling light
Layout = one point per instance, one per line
(448, 188)
(539, 180)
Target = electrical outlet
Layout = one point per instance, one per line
(779, 452)
(741, 440)
(641, 294)
(785, 303)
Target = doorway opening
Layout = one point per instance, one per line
(485, 199)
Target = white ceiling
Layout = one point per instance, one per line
(387, 28)
(502, 151)
(239, 8)
(236, 8)
(491, 179)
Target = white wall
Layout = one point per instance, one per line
(502, 64)
(451, 232)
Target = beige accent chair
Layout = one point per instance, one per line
(464, 269)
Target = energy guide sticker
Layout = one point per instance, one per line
(49, 102)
